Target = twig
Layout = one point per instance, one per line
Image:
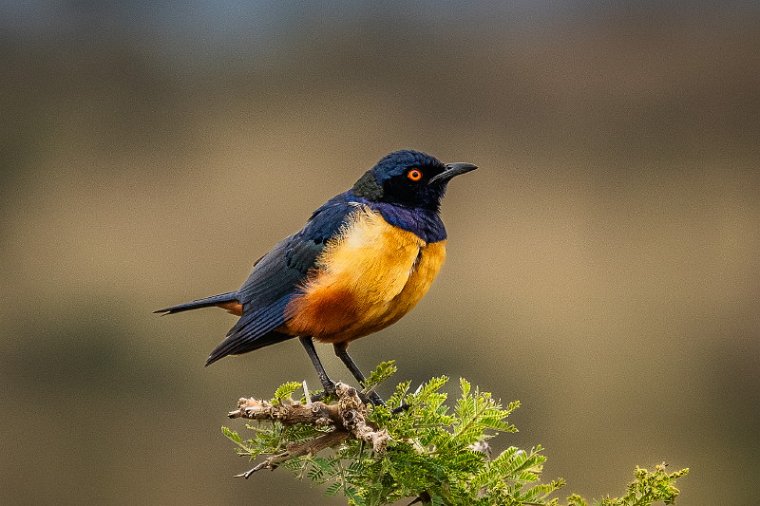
(347, 417)
(297, 450)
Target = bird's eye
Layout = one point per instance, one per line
(414, 175)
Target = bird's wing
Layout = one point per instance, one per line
(278, 276)
(285, 267)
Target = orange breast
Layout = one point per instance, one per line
(365, 280)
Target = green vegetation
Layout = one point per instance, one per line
(436, 453)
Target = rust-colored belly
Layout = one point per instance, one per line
(366, 279)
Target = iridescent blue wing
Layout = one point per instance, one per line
(277, 277)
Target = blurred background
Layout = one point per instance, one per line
(603, 263)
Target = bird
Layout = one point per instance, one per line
(362, 261)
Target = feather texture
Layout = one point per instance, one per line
(362, 261)
(365, 279)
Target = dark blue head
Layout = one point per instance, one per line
(410, 179)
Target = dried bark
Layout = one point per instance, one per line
(347, 417)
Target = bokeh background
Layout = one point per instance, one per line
(603, 262)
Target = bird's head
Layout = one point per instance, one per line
(409, 178)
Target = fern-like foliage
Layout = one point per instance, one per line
(437, 454)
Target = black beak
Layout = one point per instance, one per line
(452, 170)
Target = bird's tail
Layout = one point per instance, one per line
(214, 300)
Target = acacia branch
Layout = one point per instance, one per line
(347, 417)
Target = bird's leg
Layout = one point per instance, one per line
(341, 350)
(327, 383)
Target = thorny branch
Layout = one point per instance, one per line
(347, 416)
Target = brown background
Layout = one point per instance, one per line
(603, 262)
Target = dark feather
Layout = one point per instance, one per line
(282, 271)
(204, 302)
(277, 277)
(253, 330)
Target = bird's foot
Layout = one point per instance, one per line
(369, 398)
(372, 397)
(376, 400)
(401, 408)
(328, 391)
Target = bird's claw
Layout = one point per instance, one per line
(372, 397)
(328, 391)
(401, 408)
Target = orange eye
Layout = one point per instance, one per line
(414, 175)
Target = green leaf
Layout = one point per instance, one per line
(232, 435)
(284, 392)
(381, 373)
